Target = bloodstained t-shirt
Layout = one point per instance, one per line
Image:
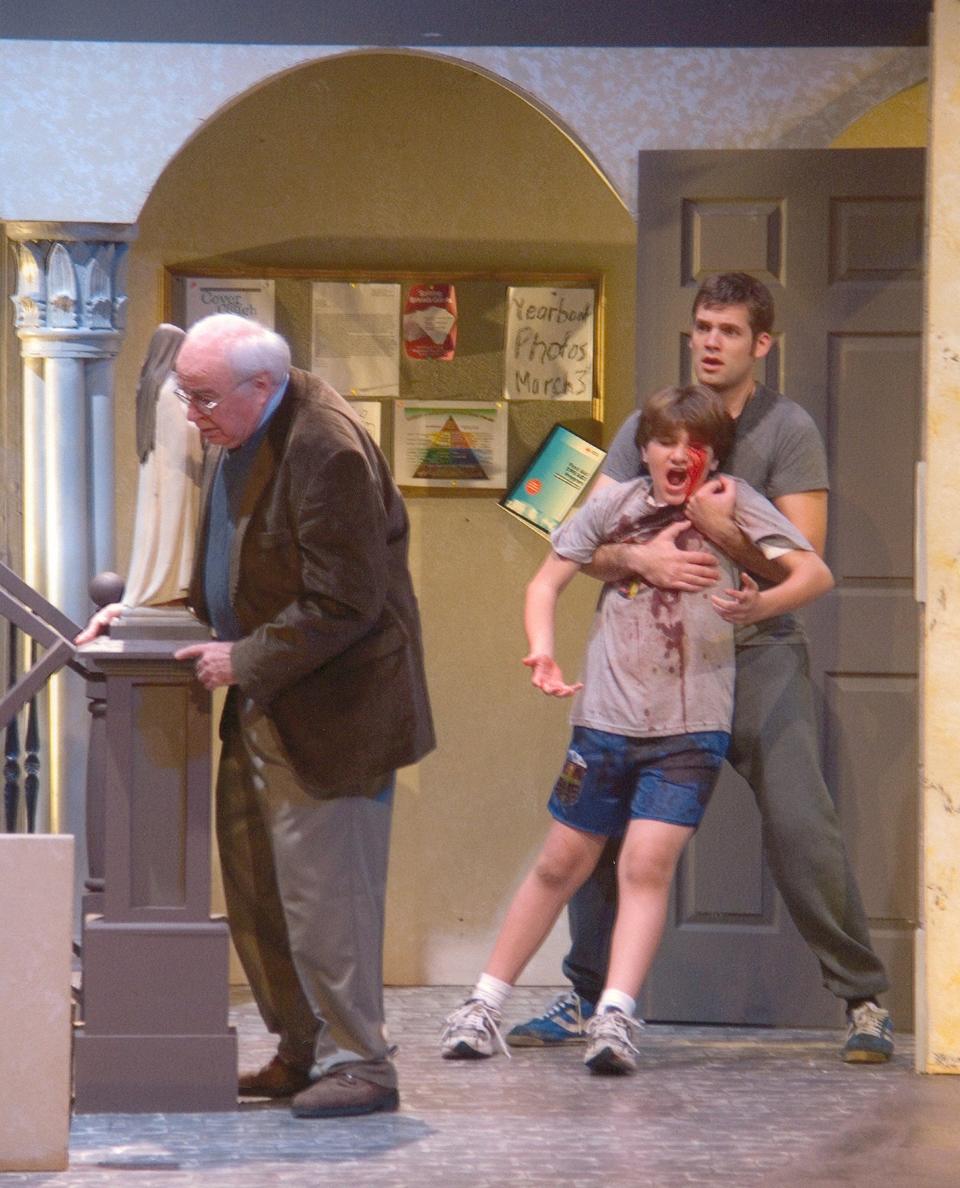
(777, 450)
(660, 661)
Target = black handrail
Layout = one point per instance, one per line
(47, 628)
(11, 749)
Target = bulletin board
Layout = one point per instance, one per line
(548, 316)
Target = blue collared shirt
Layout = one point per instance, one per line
(225, 502)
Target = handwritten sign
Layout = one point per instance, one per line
(549, 347)
(369, 412)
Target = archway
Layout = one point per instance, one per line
(389, 160)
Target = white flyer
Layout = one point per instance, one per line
(355, 342)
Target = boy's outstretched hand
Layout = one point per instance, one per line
(547, 676)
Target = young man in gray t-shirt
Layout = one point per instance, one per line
(778, 450)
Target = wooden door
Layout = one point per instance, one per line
(837, 235)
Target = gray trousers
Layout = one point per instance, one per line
(305, 883)
(774, 747)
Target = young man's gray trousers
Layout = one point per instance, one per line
(774, 747)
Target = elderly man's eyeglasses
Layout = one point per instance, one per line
(207, 403)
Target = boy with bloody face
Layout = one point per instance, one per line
(651, 717)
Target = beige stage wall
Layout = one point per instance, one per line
(410, 162)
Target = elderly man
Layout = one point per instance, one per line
(301, 569)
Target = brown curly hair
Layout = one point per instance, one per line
(695, 408)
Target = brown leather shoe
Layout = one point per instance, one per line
(340, 1094)
(276, 1079)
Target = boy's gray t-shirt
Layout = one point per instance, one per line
(777, 450)
(659, 661)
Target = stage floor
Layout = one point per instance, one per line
(709, 1106)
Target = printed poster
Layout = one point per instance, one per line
(356, 337)
(450, 443)
(430, 322)
(551, 484)
(249, 298)
(549, 344)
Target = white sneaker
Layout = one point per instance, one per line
(611, 1046)
(472, 1031)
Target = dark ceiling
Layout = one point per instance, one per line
(475, 22)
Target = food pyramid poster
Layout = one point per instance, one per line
(450, 456)
(455, 444)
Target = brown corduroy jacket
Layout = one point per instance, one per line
(331, 646)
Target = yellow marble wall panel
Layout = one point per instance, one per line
(36, 915)
(898, 122)
(939, 993)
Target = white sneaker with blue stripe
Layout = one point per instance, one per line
(869, 1035)
(563, 1022)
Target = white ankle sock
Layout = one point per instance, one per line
(491, 991)
(619, 1000)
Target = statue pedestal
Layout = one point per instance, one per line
(155, 1034)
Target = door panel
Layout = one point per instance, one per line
(870, 716)
(872, 446)
(838, 237)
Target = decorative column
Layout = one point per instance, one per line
(69, 319)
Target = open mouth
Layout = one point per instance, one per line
(677, 476)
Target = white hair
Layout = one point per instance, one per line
(248, 348)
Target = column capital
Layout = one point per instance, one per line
(70, 298)
(20, 232)
(43, 343)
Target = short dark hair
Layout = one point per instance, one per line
(695, 408)
(738, 288)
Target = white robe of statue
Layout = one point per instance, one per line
(168, 489)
